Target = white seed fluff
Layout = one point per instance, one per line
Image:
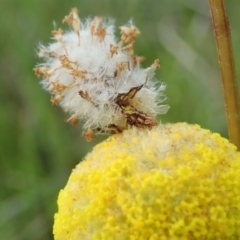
(98, 79)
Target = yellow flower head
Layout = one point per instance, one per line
(176, 181)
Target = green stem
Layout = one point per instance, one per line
(227, 66)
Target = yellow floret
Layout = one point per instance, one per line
(176, 181)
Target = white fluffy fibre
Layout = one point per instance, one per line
(86, 70)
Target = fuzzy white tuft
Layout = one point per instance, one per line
(99, 80)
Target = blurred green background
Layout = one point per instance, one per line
(38, 148)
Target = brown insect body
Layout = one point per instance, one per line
(133, 116)
(122, 99)
(140, 119)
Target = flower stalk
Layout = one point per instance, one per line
(227, 67)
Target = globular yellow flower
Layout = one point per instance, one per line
(175, 181)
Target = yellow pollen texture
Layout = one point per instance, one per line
(175, 181)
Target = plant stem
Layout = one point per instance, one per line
(227, 66)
